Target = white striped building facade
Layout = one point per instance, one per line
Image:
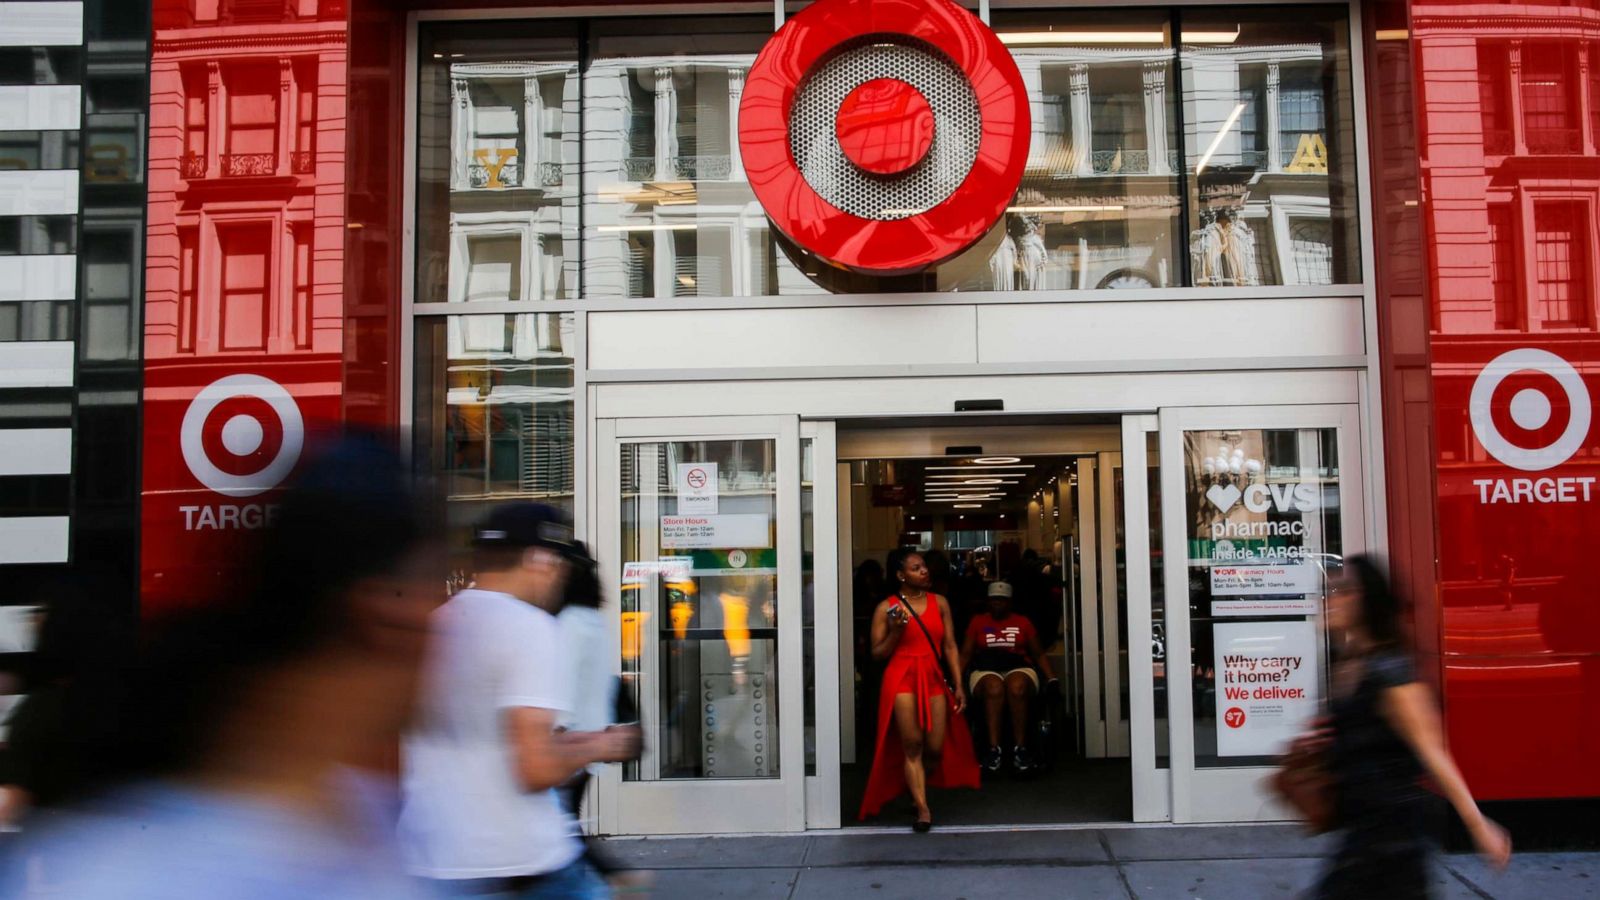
(73, 101)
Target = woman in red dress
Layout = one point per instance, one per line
(922, 738)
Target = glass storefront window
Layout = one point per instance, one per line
(494, 411)
(699, 610)
(1098, 206)
(668, 210)
(1264, 517)
(1270, 147)
(497, 162)
(1203, 147)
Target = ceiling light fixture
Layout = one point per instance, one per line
(1070, 38)
(1211, 37)
(996, 460)
(976, 468)
(968, 506)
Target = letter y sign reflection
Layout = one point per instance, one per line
(492, 170)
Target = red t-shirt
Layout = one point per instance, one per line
(1000, 646)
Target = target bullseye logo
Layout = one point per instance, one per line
(242, 435)
(884, 137)
(1531, 408)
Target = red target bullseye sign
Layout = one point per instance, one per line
(886, 136)
(242, 435)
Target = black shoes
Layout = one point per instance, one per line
(994, 760)
(1022, 761)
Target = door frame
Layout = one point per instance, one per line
(1152, 784)
(1233, 794)
(827, 597)
(721, 805)
(1105, 733)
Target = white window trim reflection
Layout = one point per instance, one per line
(540, 274)
(1284, 210)
(535, 337)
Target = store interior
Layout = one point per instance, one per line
(1039, 523)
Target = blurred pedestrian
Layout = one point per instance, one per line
(593, 690)
(482, 817)
(1385, 735)
(236, 751)
(922, 738)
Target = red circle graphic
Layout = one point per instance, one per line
(885, 126)
(1234, 717)
(1545, 385)
(262, 455)
(884, 246)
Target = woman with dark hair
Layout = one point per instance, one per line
(922, 738)
(248, 749)
(1385, 735)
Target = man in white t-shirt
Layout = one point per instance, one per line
(481, 817)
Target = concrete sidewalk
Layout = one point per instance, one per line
(1145, 863)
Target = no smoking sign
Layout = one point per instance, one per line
(697, 489)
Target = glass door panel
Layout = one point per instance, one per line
(701, 536)
(699, 598)
(1260, 507)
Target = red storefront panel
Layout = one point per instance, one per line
(1503, 190)
(245, 275)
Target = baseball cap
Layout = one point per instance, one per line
(999, 589)
(526, 525)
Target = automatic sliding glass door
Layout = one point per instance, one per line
(1259, 507)
(701, 539)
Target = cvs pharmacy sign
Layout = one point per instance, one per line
(1260, 497)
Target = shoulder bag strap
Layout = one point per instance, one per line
(938, 653)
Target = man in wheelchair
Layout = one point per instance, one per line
(1003, 656)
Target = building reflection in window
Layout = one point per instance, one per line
(1270, 147)
(1221, 158)
(494, 410)
(497, 148)
(1098, 206)
(669, 212)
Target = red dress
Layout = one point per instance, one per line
(914, 669)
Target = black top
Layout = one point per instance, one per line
(1372, 765)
